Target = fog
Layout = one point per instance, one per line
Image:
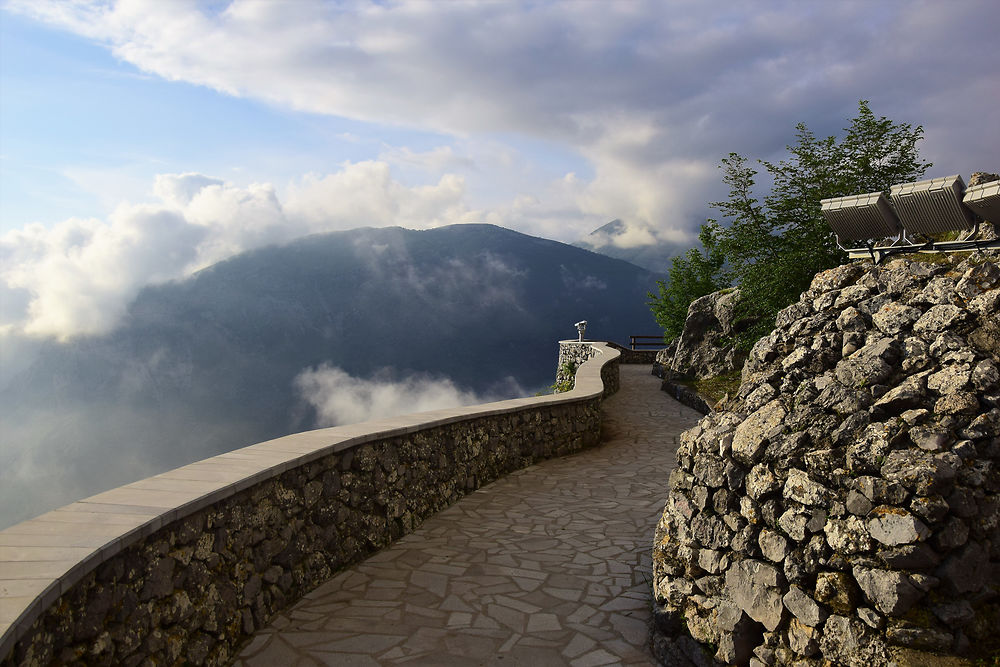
(339, 398)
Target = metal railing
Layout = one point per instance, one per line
(635, 342)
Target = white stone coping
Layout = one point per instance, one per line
(42, 558)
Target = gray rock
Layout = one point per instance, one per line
(752, 435)
(954, 534)
(920, 638)
(710, 320)
(983, 426)
(957, 403)
(916, 355)
(894, 317)
(836, 278)
(836, 590)
(966, 571)
(985, 376)
(851, 295)
(956, 614)
(760, 396)
(711, 531)
(910, 394)
(817, 521)
(800, 488)
(761, 481)
(893, 526)
(772, 545)
(924, 582)
(860, 371)
(978, 279)
(739, 636)
(920, 472)
(872, 447)
(847, 641)
(891, 592)
(802, 639)
(713, 561)
(858, 504)
(870, 617)
(910, 557)
(950, 379)
(965, 449)
(794, 524)
(851, 319)
(709, 471)
(962, 502)
(914, 417)
(803, 607)
(940, 290)
(750, 510)
(755, 587)
(848, 536)
(939, 318)
(880, 491)
(932, 508)
(930, 438)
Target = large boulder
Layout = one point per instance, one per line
(705, 348)
(844, 505)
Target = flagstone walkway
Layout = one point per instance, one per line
(548, 566)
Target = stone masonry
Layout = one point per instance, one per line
(191, 590)
(844, 506)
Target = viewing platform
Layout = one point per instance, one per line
(547, 566)
(509, 532)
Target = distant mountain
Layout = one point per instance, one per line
(208, 364)
(636, 245)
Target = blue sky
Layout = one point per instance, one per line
(141, 140)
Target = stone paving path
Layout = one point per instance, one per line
(548, 566)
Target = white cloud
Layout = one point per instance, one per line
(78, 276)
(365, 194)
(340, 398)
(637, 88)
(81, 273)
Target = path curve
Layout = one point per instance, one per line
(547, 566)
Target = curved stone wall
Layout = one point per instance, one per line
(183, 566)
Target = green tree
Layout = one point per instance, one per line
(692, 275)
(775, 247)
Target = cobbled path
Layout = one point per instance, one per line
(548, 566)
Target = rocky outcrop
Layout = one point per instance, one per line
(845, 507)
(704, 349)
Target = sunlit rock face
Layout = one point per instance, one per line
(844, 506)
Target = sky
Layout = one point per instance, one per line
(142, 140)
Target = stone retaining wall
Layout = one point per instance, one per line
(635, 356)
(572, 354)
(184, 566)
(844, 507)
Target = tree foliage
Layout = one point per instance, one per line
(773, 248)
(691, 276)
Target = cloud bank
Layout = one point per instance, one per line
(339, 398)
(646, 95)
(78, 276)
(651, 93)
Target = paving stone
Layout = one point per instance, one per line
(513, 573)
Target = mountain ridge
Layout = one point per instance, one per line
(209, 363)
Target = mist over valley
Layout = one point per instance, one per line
(330, 328)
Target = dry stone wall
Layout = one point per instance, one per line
(191, 590)
(844, 507)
